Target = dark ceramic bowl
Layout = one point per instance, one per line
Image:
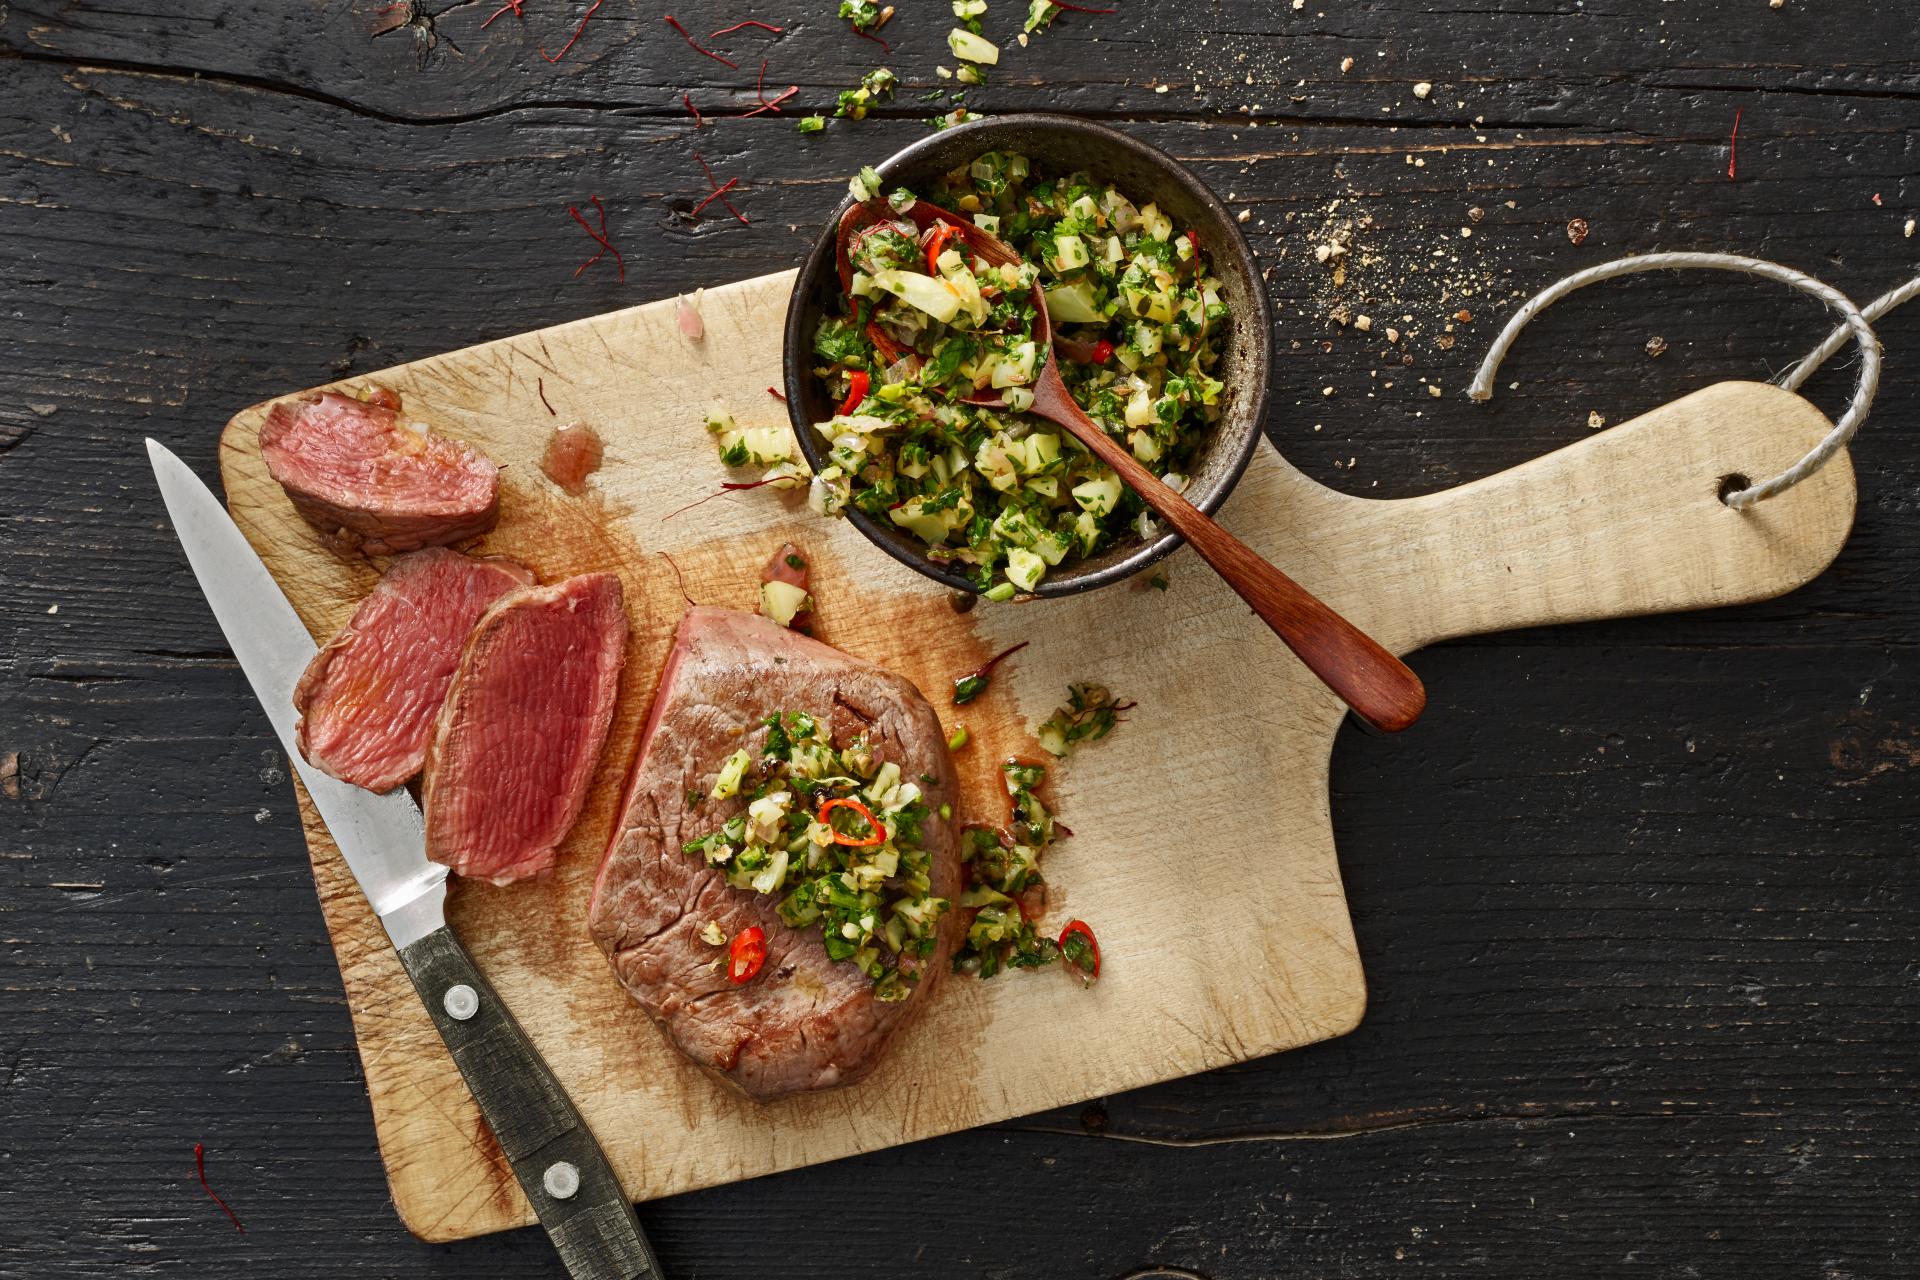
(1061, 144)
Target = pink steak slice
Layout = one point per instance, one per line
(366, 478)
(520, 732)
(367, 701)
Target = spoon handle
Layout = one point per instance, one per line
(1379, 687)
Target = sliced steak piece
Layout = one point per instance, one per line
(806, 1022)
(368, 700)
(365, 478)
(522, 727)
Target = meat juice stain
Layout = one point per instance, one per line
(573, 453)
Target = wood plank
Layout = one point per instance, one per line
(1635, 898)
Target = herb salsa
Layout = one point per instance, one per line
(837, 835)
(925, 324)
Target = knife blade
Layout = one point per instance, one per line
(560, 1166)
(381, 837)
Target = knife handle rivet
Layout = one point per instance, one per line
(461, 1002)
(561, 1180)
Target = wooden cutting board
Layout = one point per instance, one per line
(1208, 804)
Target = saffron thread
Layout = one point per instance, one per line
(699, 121)
(1733, 143)
(775, 393)
(696, 46)
(200, 1167)
(512, 7)
(750, 22)
(540, 385)
(584, 19)
(772, 104)
(1078, 8)
(718, 193)
(731, 486)
(714, 182)
(678, 578)
(868, 35)
(606, 245)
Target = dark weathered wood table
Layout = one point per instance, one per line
(1637, 901)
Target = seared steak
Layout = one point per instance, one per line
(367, 701)
(522, 727)
(364, 478)
(805, 1022)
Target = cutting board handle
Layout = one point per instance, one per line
(1627, 522)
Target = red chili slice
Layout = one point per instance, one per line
(1093, 944)
(747, 953)
(857, 383)
(936, 243)
(877, 833)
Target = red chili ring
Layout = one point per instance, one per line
(879, 835)
(746, 954)
(1084, 930)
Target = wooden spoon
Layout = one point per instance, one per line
(1378, 686)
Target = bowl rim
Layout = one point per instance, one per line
(797, 370)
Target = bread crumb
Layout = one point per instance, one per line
(1576, 230)
(1243, 215)
(1346, 65)
(1393, 335)
(1422, 89)
(1325, 391)
(1656, 346)
(1433, 389)
(1595, 421)
(1908, 231)
(1161, 88)
(1363, 323)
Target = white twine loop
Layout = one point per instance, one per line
(1854, 324)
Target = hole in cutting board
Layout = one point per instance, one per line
(1732, 484)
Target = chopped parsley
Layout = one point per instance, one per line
(1087, 717)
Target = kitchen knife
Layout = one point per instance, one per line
(561, 1168)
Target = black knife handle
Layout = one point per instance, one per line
(553, 1154)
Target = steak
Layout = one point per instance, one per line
(367, 701)
(806, 1022)
(522, 726)
(365, 479)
